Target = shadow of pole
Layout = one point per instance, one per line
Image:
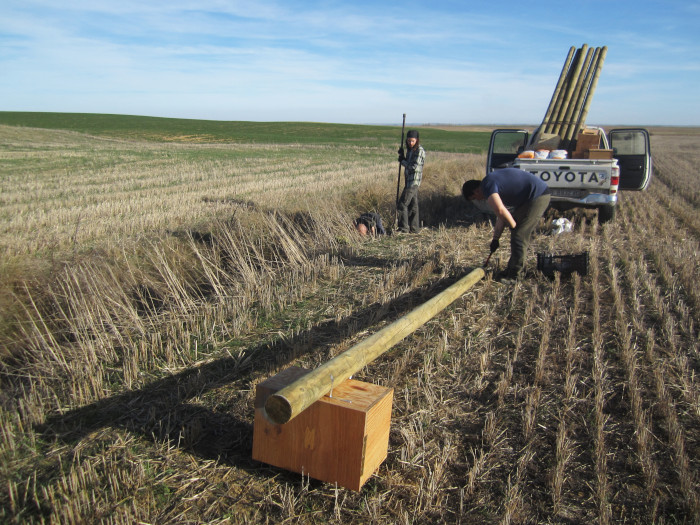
(163, 410)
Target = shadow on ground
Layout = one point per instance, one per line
(207, 410)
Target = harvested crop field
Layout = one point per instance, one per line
(127, 395)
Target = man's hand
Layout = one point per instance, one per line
(494, 245)
(402, 157)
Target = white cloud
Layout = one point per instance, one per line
(334, 62)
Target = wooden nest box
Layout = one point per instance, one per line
(341, 438)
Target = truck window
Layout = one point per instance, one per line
(632, 150)
(629, 143)
(504, 146)
(508, 143)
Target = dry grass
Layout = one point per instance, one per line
(136, 355)
(85, 192)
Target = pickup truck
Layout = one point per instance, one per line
(581, 182)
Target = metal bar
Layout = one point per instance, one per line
(398, 181)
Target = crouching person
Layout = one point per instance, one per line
(529, 197)
(369, 224)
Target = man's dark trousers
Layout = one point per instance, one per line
(408, 210)
(526, 217)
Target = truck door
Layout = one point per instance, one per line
(633, 154)
(504, 147)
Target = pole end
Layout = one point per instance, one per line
(278, 409)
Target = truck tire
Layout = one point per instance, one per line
(606, 213)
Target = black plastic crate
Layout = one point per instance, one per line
(548, 263)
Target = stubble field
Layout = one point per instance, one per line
(149, 287)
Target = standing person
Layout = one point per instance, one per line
(412, 162)
(527, 195)
(369, 223)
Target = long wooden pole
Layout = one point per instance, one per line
(591, 90)
(557, 90)
(559, 121)
(581, 97)
(296, 397)
(581, 89)
(556, 110)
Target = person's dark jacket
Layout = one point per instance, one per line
(373, 222)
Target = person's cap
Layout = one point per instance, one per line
(412, 134)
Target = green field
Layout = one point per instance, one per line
(205, 131)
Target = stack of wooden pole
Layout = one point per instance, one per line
(568, 108)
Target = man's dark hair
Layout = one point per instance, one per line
(413, 134)
(469, 187)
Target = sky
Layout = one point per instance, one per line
(360, 62)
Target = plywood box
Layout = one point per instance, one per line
(587, 139)
(341, 439)
(595, 153)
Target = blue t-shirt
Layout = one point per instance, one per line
(514, 186)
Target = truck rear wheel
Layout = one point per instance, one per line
(606, 213)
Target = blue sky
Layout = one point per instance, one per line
(457, 62)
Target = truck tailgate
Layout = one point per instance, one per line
(571, 175)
